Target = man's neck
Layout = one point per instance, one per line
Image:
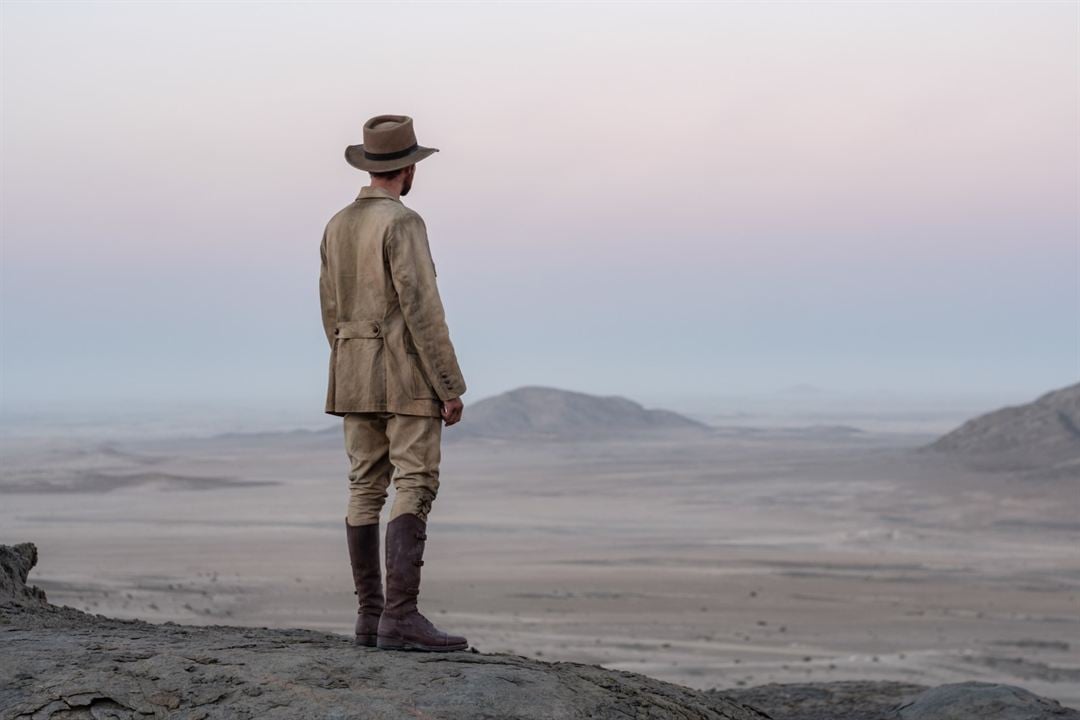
(392, 188)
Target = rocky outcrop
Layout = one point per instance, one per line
(59, 663)
(16, 562)
(1041, 437)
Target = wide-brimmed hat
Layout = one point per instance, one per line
(389, 144)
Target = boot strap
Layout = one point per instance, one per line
(417, 563)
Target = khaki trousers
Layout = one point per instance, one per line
(384, 446)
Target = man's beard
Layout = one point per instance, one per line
(407, 186)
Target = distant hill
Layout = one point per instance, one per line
(542, 412)
(1041, 436)
(803, 389)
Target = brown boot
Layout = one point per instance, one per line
(367, 577)
(402, 627)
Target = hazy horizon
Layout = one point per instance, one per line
(917, 415)
(673, 203)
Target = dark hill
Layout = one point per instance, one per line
(535, 412)
(1041, 436)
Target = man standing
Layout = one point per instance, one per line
(394, 378)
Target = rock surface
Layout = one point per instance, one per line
(979, 701)
(59, 663)
(842, 700)
(1041, 437)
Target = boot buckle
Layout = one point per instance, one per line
(417, 563)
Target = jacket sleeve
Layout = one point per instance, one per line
(413, 273)
(327, 295)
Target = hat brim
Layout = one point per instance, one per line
(354, 155)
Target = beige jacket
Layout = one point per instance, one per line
(390, 349)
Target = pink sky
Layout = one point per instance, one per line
(635, 199)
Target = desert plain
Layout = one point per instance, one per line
(716, 559)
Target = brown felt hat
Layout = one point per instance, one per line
(389, 144)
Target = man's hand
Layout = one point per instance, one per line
(451, 411)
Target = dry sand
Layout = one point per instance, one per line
(734, 559)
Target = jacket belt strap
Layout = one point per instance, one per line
(357, 329)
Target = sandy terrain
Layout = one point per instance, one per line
(733, 559)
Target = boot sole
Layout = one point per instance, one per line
(392, 644)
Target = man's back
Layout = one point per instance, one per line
(382, 314)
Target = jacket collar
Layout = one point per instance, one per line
(370, 191)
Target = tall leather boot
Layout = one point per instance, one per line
(364, 555)
(402, 627)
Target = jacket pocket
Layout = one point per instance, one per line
(358, 365)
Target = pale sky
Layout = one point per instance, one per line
(645, 200)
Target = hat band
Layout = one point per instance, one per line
(391, 155)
